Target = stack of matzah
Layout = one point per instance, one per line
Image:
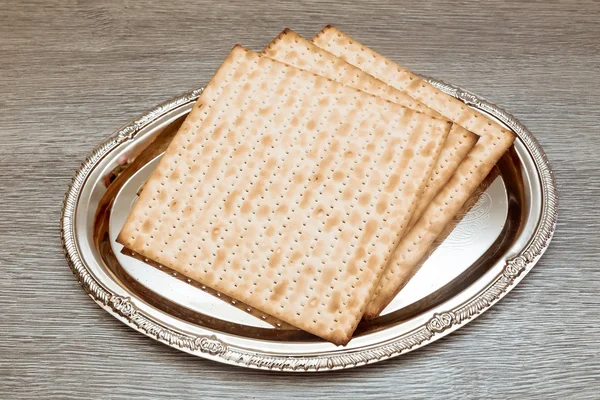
(309, 181)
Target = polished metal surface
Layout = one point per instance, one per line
(498, 238)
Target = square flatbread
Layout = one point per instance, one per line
(492, 144)
(286, 191)
(292, 49)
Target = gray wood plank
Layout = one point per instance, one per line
(71, 72)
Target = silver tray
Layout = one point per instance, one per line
(494, 243)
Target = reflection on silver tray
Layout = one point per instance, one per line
(497, 238)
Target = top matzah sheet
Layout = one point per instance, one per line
(292, 49)
(493, 143)
(286, 191)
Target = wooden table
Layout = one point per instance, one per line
(71, 72)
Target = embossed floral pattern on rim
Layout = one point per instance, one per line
(214, 348)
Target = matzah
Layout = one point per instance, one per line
(292, 49)
(493, 143)
(286, 191)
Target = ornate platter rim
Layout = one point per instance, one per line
(212, 347)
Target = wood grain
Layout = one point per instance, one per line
(71, 72)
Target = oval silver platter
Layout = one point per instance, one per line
(494, 243)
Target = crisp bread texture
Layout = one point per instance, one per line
(287, 191)
(292, 49)
(341, 45)
(493, 142)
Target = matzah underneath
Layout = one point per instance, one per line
(493, 143)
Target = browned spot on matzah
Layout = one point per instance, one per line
(270, 230)
(279, 291)
(364, 198)
(295, 256)
(369, 231)
(332, 222)
(263, 211)
(335, 303)
(246, 207)
(382, 205)
(392, 183)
